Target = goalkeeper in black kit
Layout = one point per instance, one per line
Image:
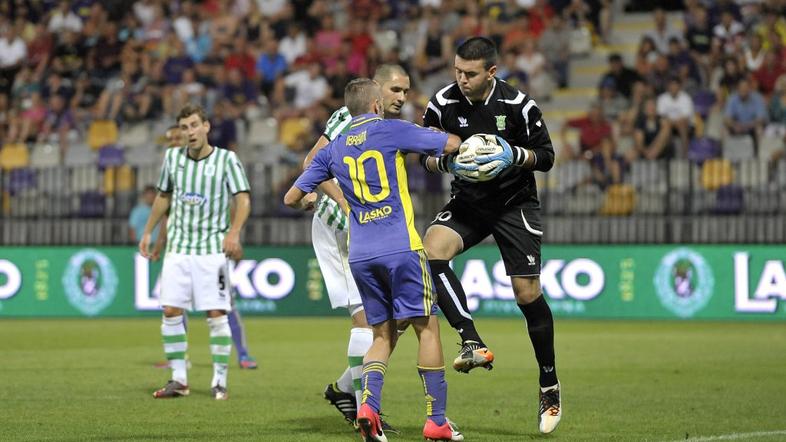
(495, 196)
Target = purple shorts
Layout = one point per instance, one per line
(396, 286)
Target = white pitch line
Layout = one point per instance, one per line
(733, 436)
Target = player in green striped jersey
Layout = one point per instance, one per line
(197, 184)
(329, 236)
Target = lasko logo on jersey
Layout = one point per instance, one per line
(684, 282)
(356, 140)
(373, 215)
(90, 281)
(193, 199)
(500, 121)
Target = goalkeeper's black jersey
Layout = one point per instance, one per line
(506, 112)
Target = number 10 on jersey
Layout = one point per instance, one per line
(357, 172)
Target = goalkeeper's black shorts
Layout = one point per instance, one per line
(517, 230)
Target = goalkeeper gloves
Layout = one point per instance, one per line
(497, 162)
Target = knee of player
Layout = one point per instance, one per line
(440, 246)
(526, 290)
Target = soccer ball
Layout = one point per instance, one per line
(478, 144)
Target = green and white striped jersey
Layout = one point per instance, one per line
(201, 195)
(327, 209)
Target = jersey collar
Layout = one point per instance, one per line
(491, 93)
(363, 119)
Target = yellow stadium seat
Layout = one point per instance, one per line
(14, 156)
(716, 173)
(293, 130)
(620, 200)
(109, 181)
(100, 133)
(125, 179)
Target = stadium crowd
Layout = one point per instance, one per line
(78, 72)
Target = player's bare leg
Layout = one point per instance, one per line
(540, 326)
(442, 244)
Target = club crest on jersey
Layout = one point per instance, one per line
(500, 121)
(210, 170)
(463, 122)
(193, 199)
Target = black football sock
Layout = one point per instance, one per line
(452, 300)
(540, 325)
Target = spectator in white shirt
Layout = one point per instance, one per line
(64, 19)
(293, 45)
(13, 52)
(677, 106)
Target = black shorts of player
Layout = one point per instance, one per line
(517, 230)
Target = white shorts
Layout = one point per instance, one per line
(196, 282)
(332, 250)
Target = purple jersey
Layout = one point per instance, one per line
(368, 161)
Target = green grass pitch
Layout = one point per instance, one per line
(74, 380)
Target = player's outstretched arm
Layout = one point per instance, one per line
(242, 208)
(297, 199)
(160, 208)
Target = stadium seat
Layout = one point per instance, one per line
(80, 155)
(729, 200)
(110, 156)
(142, 155)
(147, 175)
(59, 205)
(650, 203)
(680, 175)
(620, 199)
(584, 201)
(571, 174)
(125, 179)
(648, 175)
(100, 133)
(263, 131)
(703, 149)
(716, 173)
(293, 130)
(84, 179)
(762, 201)
(14, 156)
(45, 155)
(752, 173)
(781, 175)
(703, 101)
(109, 181)
(53, 180)
(135, 135)
(701, 202)
(91, 205)
(768, 146)
(21, 180)
(26, 204)
(738, 148)
(124, 202)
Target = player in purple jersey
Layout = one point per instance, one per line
(385, 251)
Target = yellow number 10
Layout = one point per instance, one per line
(357, 172)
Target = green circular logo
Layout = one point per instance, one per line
(90, 281)
(684, 282)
